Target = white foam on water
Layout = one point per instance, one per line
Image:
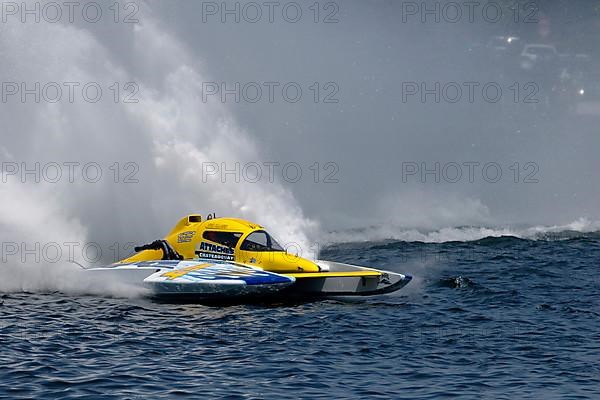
(460, 234)
(170, 132)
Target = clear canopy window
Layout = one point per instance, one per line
(260, 241)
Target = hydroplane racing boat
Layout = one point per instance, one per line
(227, 258)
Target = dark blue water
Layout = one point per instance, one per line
(498, 318)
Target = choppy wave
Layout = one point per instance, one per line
(532, 306)
(579, 228)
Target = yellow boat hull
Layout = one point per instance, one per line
(231, 243)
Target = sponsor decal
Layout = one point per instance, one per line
(183, 271)
(185, 237)
(214, 251)
(215, 225)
